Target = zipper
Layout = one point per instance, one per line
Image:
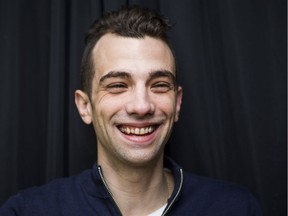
(177, 194)
(109, 191)
(115, 204)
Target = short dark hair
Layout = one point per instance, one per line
(134, 22)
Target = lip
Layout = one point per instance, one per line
(140, 140)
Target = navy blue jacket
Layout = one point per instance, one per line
(86, 194)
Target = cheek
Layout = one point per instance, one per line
(107, 104)
(166, 104)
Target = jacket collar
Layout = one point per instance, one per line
(96, 186)
(177, 172)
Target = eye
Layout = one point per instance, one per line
(161, 87)
(116, 88)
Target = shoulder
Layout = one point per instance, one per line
(207, 194)
(213, 188)
(47, 197)
(58, 186)
(201, 184)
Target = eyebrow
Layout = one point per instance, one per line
(163, 73)
(114, 74)
(152, 75)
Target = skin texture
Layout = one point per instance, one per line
(134, 91)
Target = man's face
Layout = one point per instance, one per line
(134, 101)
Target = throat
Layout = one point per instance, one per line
(140, 197)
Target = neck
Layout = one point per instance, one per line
(138, 190)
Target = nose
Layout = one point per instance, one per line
(140, 103)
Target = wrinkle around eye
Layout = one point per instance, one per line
(162, 87)
(116, 88)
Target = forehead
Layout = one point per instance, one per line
(133, 55)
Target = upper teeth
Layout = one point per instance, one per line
(137, 131)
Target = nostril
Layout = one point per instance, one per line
(140, 106)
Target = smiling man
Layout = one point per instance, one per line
(134, 101)
(130, 95)
(133, 104)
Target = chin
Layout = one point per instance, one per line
(142, 159)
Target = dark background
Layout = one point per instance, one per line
(231, 57)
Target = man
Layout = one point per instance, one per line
(130, 95)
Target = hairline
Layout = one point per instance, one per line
(92, 48)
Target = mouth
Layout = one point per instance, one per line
(137, 131)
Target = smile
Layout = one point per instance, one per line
(137, 131)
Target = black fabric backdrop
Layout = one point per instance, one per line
(231, 57)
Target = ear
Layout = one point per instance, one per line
(178, 103)
(84, 107)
